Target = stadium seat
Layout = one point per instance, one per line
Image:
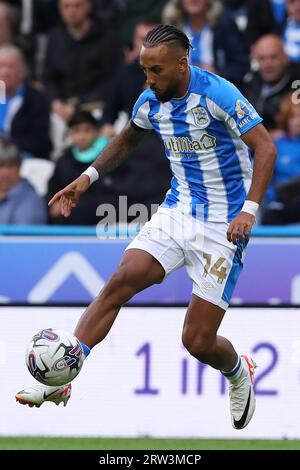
(38, 172)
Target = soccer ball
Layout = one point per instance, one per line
(54, 357)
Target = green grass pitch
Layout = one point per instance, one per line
(62, 443)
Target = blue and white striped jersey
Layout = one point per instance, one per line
(201, 132)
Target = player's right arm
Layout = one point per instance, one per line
(111, 157)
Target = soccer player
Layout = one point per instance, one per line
(209, 131)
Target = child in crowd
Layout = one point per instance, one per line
(86, 145)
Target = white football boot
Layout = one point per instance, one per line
(39, 394)
(241, 393)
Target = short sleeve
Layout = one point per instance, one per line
(140, 113)
(231, 106)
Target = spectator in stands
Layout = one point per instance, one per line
(125, 14)
(31, 20)
(6, 24)
(196, 18)
(129, 82)
(11, 29)
(35, 15)
(266, 88)
(291, 37)
(265, 17)
(283, 196)
(25, 114)
(217, 43)
(82, 57)
(149, 156)
(86, 146)
(19, 203)
(132, 54)
(238, 11)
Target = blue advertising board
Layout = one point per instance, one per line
(73, 270)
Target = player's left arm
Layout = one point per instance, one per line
(264, 150)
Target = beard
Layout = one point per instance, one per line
(168, 94)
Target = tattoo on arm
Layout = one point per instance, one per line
(119, 148)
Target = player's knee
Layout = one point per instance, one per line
(199, 344)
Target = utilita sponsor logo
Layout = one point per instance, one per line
(184, 145)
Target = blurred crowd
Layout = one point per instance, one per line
(71, 74)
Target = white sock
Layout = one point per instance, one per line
(236, 373)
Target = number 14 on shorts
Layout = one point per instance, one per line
(216, 269)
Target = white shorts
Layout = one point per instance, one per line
(212, 262)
